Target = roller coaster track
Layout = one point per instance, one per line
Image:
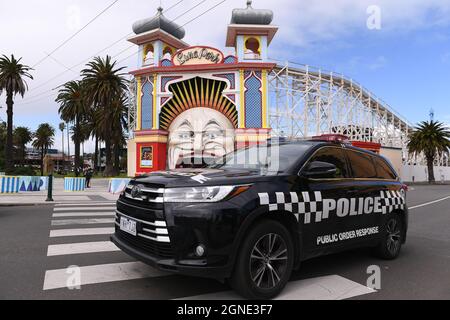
(307, 101)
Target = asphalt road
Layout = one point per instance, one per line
(33, 261)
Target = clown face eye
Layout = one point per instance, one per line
(210, 135)
(187, 135)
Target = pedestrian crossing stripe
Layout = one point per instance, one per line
(84, 209)
(81, 248)
(90, 204)
(67, 222)
(106, 273)
(332, 287)
(83, 214)
(80, 232)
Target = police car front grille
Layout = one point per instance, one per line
(157, 249)
(152, 230)
(149, 194)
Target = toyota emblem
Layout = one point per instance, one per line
(136, 191)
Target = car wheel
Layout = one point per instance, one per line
(391, 243)
(265, 261)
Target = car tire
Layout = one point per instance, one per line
(391, 241)
(264, 263)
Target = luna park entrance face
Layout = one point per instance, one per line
(198, 136)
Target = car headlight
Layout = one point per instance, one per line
(202, 194)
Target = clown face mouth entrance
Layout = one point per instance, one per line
(197, 137)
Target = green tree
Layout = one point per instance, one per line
(81, 133)
(43, 140)
(118, 126)
(432, 139)
(2, 144)
(62, 128)
(22, 136)
(104, 85)
(73, 107)
(93, 128)
(12, 81)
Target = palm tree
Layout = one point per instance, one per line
(81, 133)
(432, 139)
(118, 126)
(12, 81)
(22, 137)
(62, 128)
(94, 131)
(77, 136)
(120, 129)
(43, 140)
(73, 107)
(104, 84)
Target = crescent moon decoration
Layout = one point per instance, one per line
(196, 93)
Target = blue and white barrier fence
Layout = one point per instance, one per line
(9, 184)
(74, 184)
(117, 185)
(29, 184)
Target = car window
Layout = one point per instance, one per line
(362, 165)
(384, 171)
(266, 159)
(334, 156)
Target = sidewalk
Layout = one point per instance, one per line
(98, 193)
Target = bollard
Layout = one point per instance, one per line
(50, 189)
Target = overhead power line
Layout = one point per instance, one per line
(190, 21)
(59, 62)
(205, 12)
(96, 54)
(76, 33)
(33, 99)
(135, 53)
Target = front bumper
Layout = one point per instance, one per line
(170, 265)
(184, 227)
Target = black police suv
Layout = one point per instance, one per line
(255, 215)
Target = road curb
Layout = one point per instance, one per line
(27, 204)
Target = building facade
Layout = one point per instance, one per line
(194, 103)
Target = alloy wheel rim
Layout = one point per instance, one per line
(393, 236)
(268, 261)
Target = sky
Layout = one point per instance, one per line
(398, 49)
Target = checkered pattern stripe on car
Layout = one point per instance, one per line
(309, 204)
(392, 200)
(304, 203)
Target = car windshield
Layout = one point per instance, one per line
(267, 159)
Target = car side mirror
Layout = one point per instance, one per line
(318, 169)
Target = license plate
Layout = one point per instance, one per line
(128, 226)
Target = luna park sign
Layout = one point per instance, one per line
(198, 56)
